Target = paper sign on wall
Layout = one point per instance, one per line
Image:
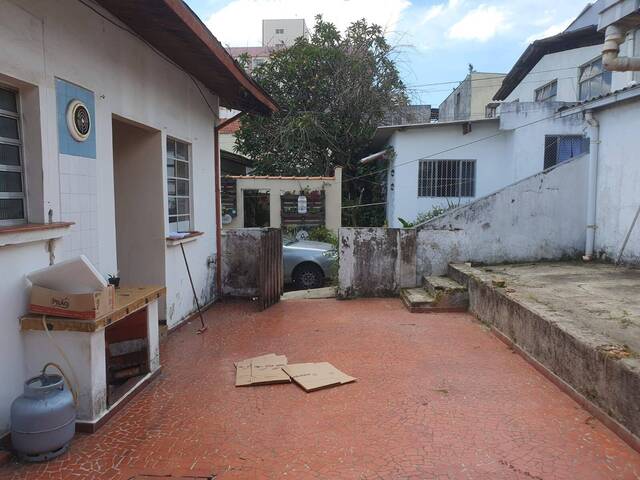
(302, 204)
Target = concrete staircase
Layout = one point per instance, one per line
(438, 294)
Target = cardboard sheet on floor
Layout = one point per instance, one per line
(314, 376)
(262, 370)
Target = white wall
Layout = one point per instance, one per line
(43, 40)
(412, 144)
(618, 181)
(561, 66)
(540, 217)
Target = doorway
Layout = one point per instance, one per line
(139, 204)
(256, 208)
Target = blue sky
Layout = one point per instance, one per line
(435, 39)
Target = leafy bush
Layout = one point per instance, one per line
(423, 217)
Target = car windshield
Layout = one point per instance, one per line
(288, 240)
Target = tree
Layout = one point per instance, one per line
(333, 91)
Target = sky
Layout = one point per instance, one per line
(434, 40)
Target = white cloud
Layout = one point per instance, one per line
(239, 23)
(550, 31)
(481, 23)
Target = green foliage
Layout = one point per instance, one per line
(423, 217)
(333, 90)
(323, 234)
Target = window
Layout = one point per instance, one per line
(12, 198)
(447, 178)
(279, 31)
(594, 80)
(547, 92)
(560, 148)
(179, 186)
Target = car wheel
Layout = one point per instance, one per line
(308, 276)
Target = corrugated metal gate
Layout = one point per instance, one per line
(270, 271)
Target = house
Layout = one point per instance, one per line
(107, 141)
(469, 100)
(453, 162)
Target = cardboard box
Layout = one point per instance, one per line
(262, 370)
(83, 306)
(314, 376)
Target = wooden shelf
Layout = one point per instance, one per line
(128, 300)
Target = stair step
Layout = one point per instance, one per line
(416, 297)
(434, 284)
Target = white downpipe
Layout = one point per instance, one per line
(613, 38)
(592, 182)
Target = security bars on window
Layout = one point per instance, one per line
(447, 178)
(179, 186)
(12, 198)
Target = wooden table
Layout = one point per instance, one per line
(128, 301)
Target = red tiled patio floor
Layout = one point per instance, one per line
(437, 396)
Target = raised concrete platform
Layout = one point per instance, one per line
(580, 321)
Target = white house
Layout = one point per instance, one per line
(107, 145)
(454, 162)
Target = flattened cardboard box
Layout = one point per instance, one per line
(314, 376)
(83, 306)
(262, 370)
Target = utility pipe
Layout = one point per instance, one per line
(613, 38)
(592, 182)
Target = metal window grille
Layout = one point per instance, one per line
(547, 92)
(594, 80)
(447, 178)
(560, 148)
(179, 186)
(12, 191)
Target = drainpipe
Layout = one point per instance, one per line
(592, 182)
(613, 38)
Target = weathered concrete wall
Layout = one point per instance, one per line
(376, 262)
(540, 217)
(239, 262)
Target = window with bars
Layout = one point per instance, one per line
(560, 148)
(594, 80)
(179, 186)
(447, 178)
(547, 92)
(12, 197)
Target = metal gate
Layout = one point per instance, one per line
(270, 275)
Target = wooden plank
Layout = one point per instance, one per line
(129, 299)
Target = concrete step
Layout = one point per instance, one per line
(447, 293)
(414, 298)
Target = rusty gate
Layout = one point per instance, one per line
(270, 269)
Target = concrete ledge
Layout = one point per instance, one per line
(610, 386)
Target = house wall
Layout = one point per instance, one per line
(539, 218)
(476, 91)
(293, 28)
(43, 41)
(561, 66)
(410, 145)
(332, 188)
(618, 195)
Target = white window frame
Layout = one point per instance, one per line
(582, 81)
(428, 186)
(15, 168)
(548, 92)
(189, 161)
